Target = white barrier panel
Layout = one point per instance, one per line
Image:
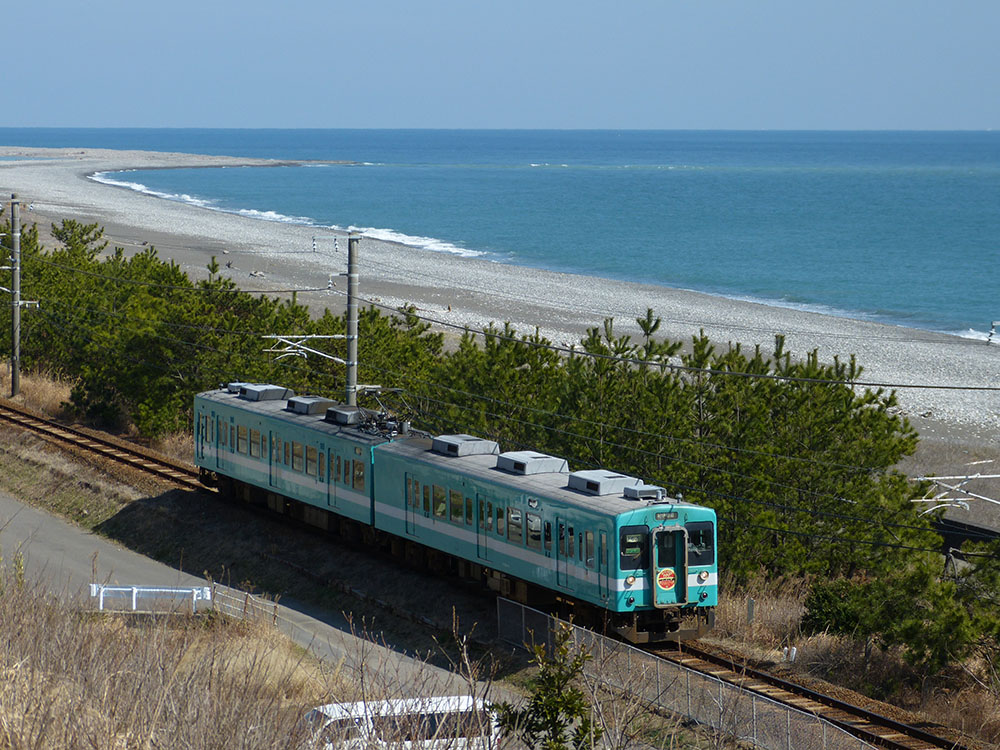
(148, 598)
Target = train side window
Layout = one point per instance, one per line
(701, 543)
(255, 443)
(241, 439)
(562, 540)
(311, 462)
(499, 520)
(489, 516)
(634, 547)
(276, 450)
(359, 475)
(427, 498)
(334, 468)
(320, 465)
(263, 445)
(534, 524)
(232, 436)
(570, 552)
(604, 550)
(482, 514)
(288, 448)
(296, 456)
(588, 555)
(222, 433)
(548, 536)
(409, 491)
(468, 511)
(514, 524)
(456, 506)
(440, 502)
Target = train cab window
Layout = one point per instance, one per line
(588, 554)
(634, 547)
(457, 504)
(548, 536)
(296, 456)
(514, 524)
(534, 524)
(241, 439)
(489, 516)
(440, 502)
(311, 463)
(468, 511)
(255, 443)
(571, 538)
(359, 475)
(701, 543)
(427, 498)
(666, 551)
(499, 520)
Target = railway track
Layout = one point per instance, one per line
(130, 455)
(869, 726)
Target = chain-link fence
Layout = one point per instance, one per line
(746, 716)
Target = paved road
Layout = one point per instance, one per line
(62, 556)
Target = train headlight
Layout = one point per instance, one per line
(703, 576)
(630, 580)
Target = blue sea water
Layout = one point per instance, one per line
(899, 227)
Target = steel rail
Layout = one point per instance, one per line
(129, 455)
(862, 723)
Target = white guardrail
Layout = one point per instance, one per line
(149, 598)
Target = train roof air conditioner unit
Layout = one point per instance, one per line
(645, 492)
(464, 445)
(530, 462)
(346, 415)
(265, 392)
(308, 405)
(600, 482)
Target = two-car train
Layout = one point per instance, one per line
(604, 546)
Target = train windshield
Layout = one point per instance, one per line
(634, 547)
(701, 543)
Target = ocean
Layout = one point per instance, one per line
(895, 227)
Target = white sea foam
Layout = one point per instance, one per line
(422, 243)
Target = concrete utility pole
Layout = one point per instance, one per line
(351, 394)
(15, 327)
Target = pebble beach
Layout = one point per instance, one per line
(260, 255)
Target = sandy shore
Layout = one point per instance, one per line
(263, 255)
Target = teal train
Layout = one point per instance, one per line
(612, 551)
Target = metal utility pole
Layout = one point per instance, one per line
(351, 394)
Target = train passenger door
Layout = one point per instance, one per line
(274, 460)
(669, 566)
(484, 525)
(602, 565)
(564, 551)
(412, 504)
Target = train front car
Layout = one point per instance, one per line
(668, 576)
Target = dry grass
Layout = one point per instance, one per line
(75, 680)
(39, 391)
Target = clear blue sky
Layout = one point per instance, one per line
(660, 64)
